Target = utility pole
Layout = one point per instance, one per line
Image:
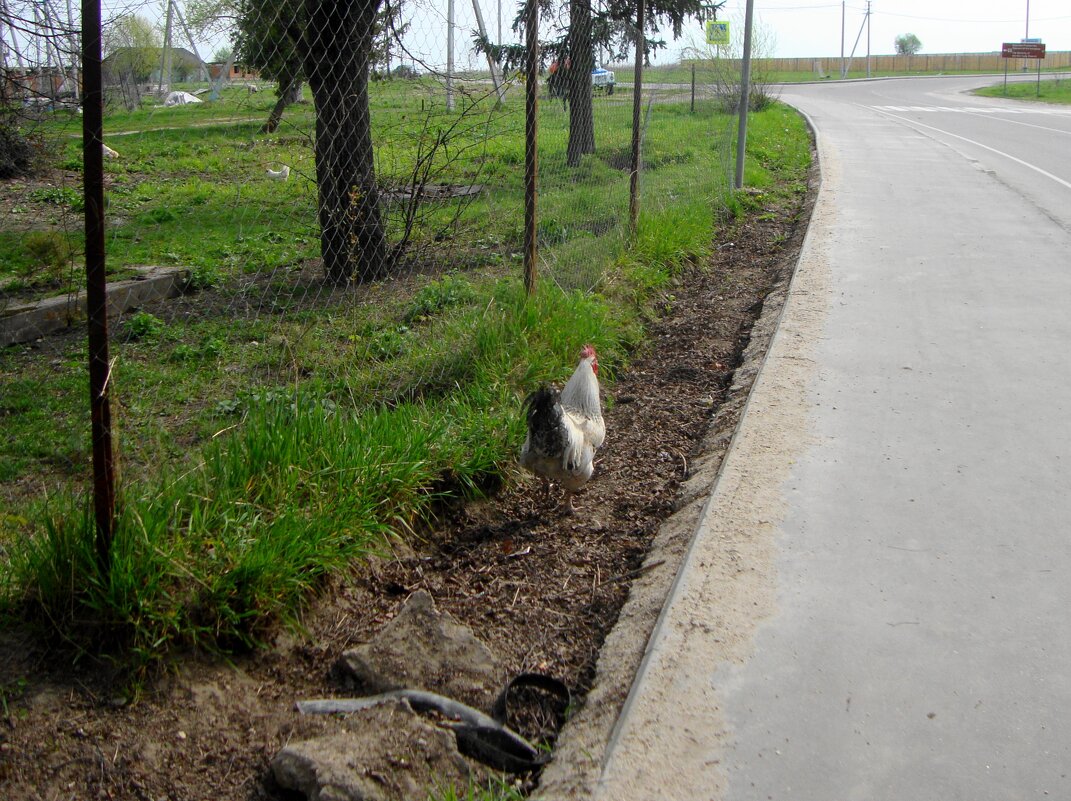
(37, 37)
(14, 46)
(202, 72)
(165, 54)
(868, 38)
(745, 95)
(496, 78)
(843, 21)
(72, 39)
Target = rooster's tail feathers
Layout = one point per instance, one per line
(544, 415)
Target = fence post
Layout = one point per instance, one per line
(637, 91)
(745, 94)
(96, 282)
(693, 87)
(531, 142)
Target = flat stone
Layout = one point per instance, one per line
(425, 649)
(390, 753)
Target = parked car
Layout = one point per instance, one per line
(603, 80)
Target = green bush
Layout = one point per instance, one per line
(49, 249)
(143, 325)
(18, 156)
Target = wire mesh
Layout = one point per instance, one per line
(310, 197)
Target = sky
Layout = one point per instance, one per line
(803, 28)
(791, 28)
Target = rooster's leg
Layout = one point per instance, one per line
(567, 503)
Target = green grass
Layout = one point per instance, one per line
(215, 551)
(190, 187)
(275, 436)
(1048, 91)
(500, 789)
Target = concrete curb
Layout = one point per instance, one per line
(26, 322)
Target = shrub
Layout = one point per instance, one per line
(439, 295)
(49, 248)
(143, 325)
(18, 156)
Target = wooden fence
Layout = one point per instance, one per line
(939, 62)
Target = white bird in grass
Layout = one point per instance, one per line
(279, 175)
(108, 152)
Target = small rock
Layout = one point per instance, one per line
(390, 754)
(425, 649)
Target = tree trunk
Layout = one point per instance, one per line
(578, 83)
(338, 47)
(289, 92)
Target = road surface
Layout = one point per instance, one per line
(878, 603)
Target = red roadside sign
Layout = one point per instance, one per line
(1022, 50)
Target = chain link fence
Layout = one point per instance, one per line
(318, 199)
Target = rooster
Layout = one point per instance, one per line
(565, 428)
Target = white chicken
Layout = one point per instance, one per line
(565, 428)
(279, 175)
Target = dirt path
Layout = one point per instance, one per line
(541, 589)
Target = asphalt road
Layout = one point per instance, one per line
(878, 603)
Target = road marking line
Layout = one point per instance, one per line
(1031, 125)
(977, 110)
(912, 123)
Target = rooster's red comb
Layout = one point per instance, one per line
(587, 351)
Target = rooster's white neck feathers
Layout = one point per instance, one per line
(581, 392)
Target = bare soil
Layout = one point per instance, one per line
(541, 588)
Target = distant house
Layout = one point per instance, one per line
(17, 84)
(142, 65)
(239, 72)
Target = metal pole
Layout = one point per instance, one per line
(449, 55)
(693, 87)
(745, 91)
(531, 142)
(96, 283)
(637, 91)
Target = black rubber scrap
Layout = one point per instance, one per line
(479, 736)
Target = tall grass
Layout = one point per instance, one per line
(304, 485)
